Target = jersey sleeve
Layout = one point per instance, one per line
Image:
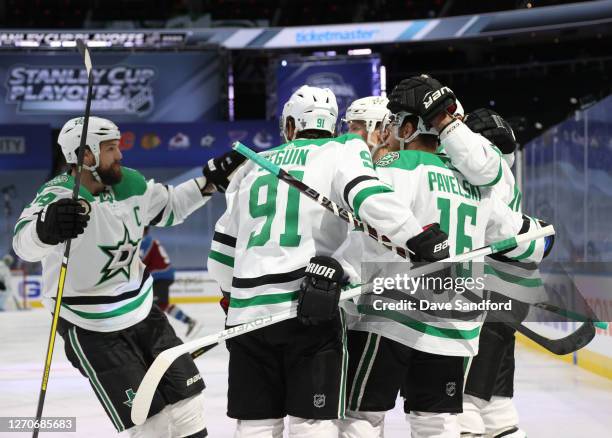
(223, 246)
(506, 223)
(357, 184)
(472, 154)
(26, 243)
(171, 205)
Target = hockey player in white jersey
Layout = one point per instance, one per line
(486, 162)
(425, 358)
(488, 410)
(261, 247)
(364, 117)
(111, 331)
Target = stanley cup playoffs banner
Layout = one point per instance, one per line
(128, 87)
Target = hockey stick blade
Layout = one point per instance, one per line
(566, 345)
(84, 50)
(148, 386)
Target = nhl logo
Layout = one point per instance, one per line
(451, 389)
(319, 400)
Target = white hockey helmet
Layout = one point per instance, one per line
(371, 110)
(310, 108)
(397, 120)
(98, 130)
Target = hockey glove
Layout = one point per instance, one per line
(218, 171)
(493, 127)
(320, 291)
(423, 96)
(61, 220)
(429, 246)
(549, 241)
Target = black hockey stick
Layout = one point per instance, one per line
(200, 351)
(62, 277)
(568, 344)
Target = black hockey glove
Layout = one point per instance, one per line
(61, 220)
(320, 291)
(493, 127)
(423, 96)
(218, 171)
(429, 246)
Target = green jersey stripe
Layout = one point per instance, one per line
(170, 220)
(422, 327)
(263, 299)
(364, 194)
(221, 258)
(20, 225)
(528, 252)
(112, 313)
(497, 178)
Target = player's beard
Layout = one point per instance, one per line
(110, 175)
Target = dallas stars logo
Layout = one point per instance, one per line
(130, 397)
(120, 257)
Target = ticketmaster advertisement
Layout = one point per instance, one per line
(127, 87)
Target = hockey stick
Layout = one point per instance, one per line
(568, 344)
(148, 386)
(348, 217)
(200, 351)
(64, 267)
(328, 204)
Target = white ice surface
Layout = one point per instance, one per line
(554, 399)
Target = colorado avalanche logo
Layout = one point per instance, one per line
(386, 160)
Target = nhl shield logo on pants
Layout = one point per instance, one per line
(319, 400)
(451, 388)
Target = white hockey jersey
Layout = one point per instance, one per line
(472, 217)
(480, 162)
(269, 231)
(105, 288)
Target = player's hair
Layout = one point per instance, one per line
(313, 134)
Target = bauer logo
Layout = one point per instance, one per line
(193, 379)
(432, 96)
(117, 89)
(12, 145)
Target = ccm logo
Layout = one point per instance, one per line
(323, 271)
(440, 246)
(431, 97)
(193, 379)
